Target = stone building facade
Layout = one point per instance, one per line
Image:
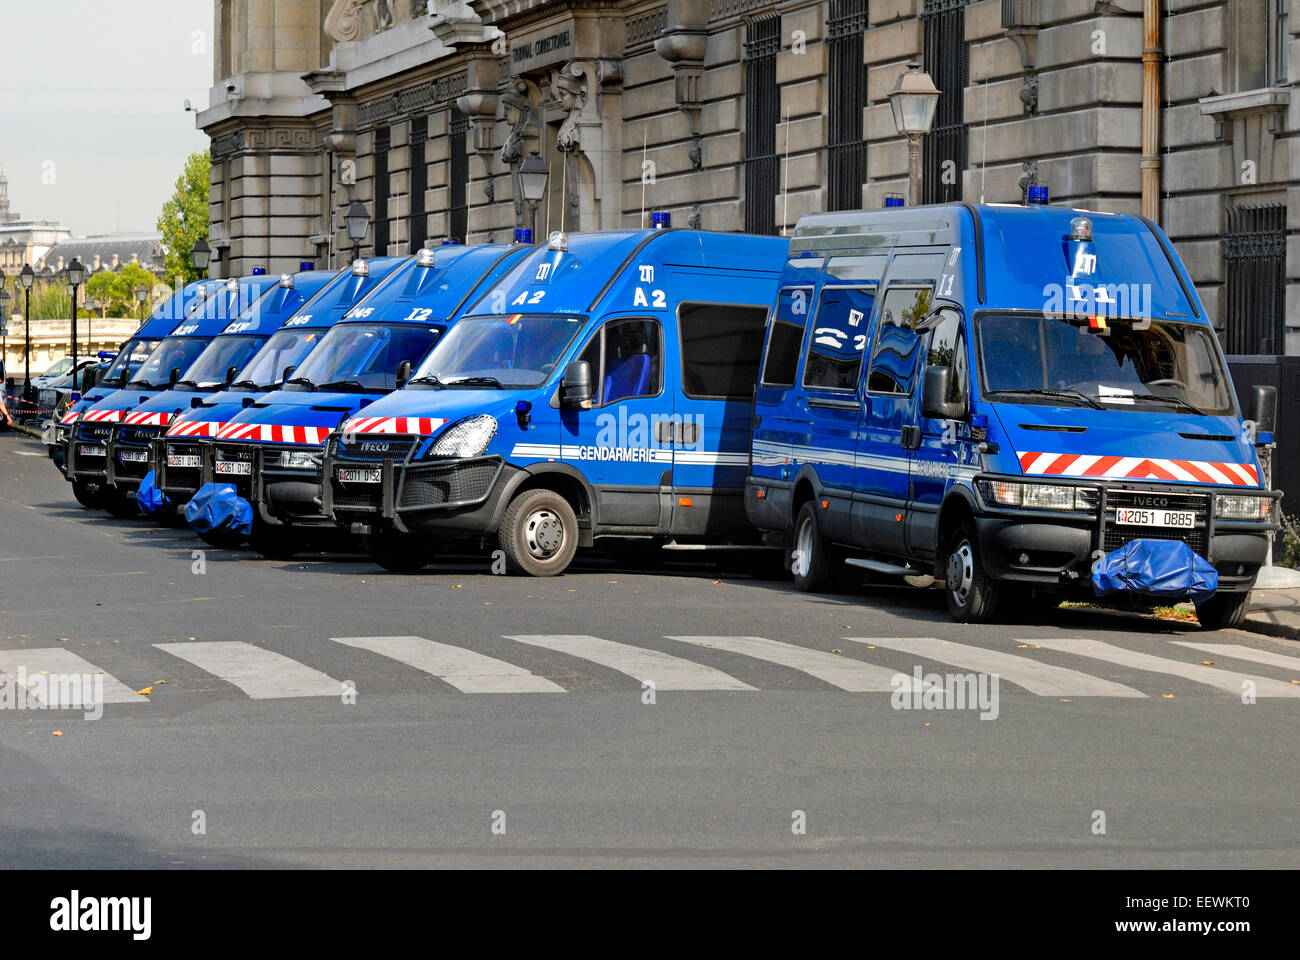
(746, 114)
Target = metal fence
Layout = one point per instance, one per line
(846, 151)
(762, 113)
(1254, 260)
(945, 147)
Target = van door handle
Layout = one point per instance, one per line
(910, 438)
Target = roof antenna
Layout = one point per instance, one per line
(564, 192)
(645, 139)
(984, 152)
(785, 178)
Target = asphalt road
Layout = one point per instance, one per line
(504, 721)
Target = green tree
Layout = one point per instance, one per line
(100, 288)
(184, 218)
(114, 292)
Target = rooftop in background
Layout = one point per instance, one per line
(108, 252)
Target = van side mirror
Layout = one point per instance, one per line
(231, 371)
(173, 376)
(1263, 407)
(287, 370)
(934, 396)
(403, 373)
(575, 388)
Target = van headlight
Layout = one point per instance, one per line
(1234, 507)
(1037, 496)
(299, 460)
(465, 438)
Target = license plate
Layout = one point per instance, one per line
(237, 467)
(183, 460)
(359, 475)
(91, 450)
(134, 456)
(1183, 519)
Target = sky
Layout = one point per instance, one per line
(93, 130)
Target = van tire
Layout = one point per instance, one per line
(92, 499)
(397, 552)
(222, 539)
(972, 597)
(1223, 611)
(276, 542)
(539, 533)
(120, 505)
(815, 567)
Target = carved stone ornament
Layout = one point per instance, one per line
(570, 89)
(383, 16)
(517, 112)
(1029, 93)
(343, 22)
(1028, 176)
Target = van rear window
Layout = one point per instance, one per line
(839, 336)
(721, 344)
(789, 321)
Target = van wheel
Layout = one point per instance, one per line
(1223, 611)
(222, 539)
(972, 596)
(539, 533)
(88, 496)
(814, 565)
(120, 505)
(398, 552)
(276, 543)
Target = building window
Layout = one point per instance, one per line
(1254, 260)
(382, 139)
(457, 207)
(762, 112)
(846, 153)
(1281, 40)
(946, 60)
(419, 231)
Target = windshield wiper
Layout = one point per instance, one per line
(1072, 394)
(142, 384)
(1179, 401)
(486, 381)
(193, 384)
(340, 384)
(245, 385)
(303, 381)
(428, 378)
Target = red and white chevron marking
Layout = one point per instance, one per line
(273, 433)
(196, 428)
(102, 416)
(70, 416)
(145, 419)
(1138, 468)
(420, 426)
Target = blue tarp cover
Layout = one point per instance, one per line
(150, 498)
(1157, 568)
(216, 506)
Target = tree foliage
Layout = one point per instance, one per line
(184, 218)
(114, 293)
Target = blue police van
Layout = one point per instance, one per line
(1027, 403)
(268, 455)
(132, 354)
(601, 390)
(130, 456)
(98, 424)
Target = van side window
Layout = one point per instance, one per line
(839, 337)
(948, 349)
(789, 321)
(626, 358)
(894, 353)
(721, 345)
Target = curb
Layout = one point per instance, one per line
(20, 428)
(1256, 623)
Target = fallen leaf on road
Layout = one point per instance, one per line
(927, 724)
(1207, 663)
(63, 639)
(455, 586)
(56, 733)
(1022, 646)
(144, 691)
(836, 651)
(1167, 696)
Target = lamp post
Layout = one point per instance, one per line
(27, 278)
(4, 333)
(201, 256)
(913, 101)
(357, 221)
(141, 295)
(76, 274)
(533, 174)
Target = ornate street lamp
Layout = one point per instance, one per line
(533, 174)
(913, 100)
(357, 221)
(27, 278)
(141, 295)
(4, 333)
(201, 255)
(76, 275)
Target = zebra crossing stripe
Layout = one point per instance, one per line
(1226, 680)
(262, 674)
(467, 671)
(56, 660)
(1041, 678)
(664, 670)
(842, 672)
(1245, 653)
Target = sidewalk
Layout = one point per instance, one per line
(1275, 604)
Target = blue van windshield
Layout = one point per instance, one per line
(174, 353)
(285, 349)
(364, 357)
(1042, 359)
(511, 350)
(209, 370)
(129, 360)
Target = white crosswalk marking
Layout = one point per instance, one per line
(465, 670)
(262, 674)
(839, 671)
(1245, 653)
(664, 670)
(1040, 678)
(1226, 680)
(56, 661)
